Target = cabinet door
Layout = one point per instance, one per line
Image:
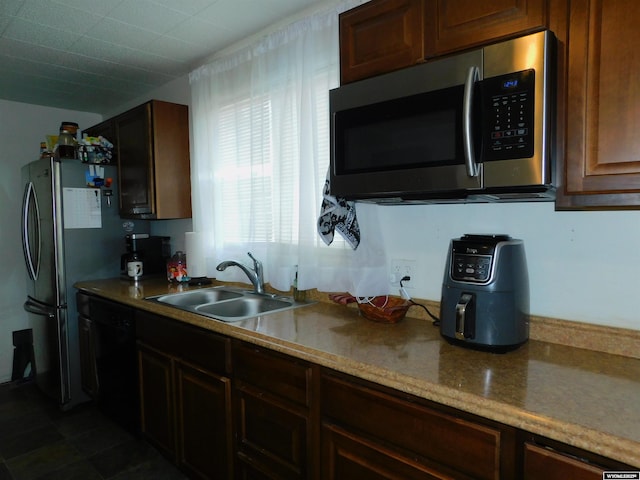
(546, 464)
(602, 155)
(156, 399)
(171, 161)
(277, 414)
(204, 423)
(135, 162)
(271, 435)
(379, 37)
(452, 25)
(347, 455)
(88, 368)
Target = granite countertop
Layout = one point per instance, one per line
(580, 397)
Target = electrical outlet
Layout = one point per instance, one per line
(401, 268)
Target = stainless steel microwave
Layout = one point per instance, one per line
(474, 126)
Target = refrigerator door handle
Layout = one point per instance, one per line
(39, 308)
(31, 230)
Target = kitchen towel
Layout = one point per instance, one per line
(337, 213)
(196, 257)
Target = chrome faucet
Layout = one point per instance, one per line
(255, 275)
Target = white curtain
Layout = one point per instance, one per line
(261, 153)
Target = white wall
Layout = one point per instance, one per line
(24, 126)
(582, 265)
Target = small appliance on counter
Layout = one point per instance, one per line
(146, 255)
(485, 293)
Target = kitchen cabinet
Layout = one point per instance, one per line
(151, 148)
(367, 429)
(385, 35)
(453, 25)
(276, 406)
(152, 143)
(380, 36)
(544, 463)
(548, 460)
(185, 395)
(602, 152)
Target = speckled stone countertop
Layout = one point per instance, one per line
(580, 397)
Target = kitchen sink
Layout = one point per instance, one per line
(197, 297)
(227, 304)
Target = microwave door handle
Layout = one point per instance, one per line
(467, 133)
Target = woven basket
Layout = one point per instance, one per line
(383, 309)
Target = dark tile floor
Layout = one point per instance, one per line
(39, 442)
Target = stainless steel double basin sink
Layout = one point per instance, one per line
(227, 304)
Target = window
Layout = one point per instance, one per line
(261, 154)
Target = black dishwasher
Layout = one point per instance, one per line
(109, 358)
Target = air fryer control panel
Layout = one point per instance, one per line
(471, 268)
(472, 257)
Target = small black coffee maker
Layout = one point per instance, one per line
(152, 251)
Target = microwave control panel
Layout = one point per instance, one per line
(508, 116)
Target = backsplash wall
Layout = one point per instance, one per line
(582, 265)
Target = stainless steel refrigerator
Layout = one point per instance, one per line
(69, 233)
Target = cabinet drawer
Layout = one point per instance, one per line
(346, 455)
(192, 344)
(470, 448)
(272, 372)
(546, 464)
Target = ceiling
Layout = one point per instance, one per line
(93, 55)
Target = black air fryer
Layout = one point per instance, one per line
(485, 293)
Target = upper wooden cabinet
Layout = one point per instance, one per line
(385, 35)
(452, 25)
(379, 37)
(151, 144)
(153, 161)
(602, 155)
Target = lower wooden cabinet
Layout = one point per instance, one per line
(203, 414)
(276, 409)
(185, 406)
(224, 409)
(157, 399)
(350, 455)
(542, 463)
(545, 459)
(387, 429)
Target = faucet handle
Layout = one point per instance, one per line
(257, 265)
